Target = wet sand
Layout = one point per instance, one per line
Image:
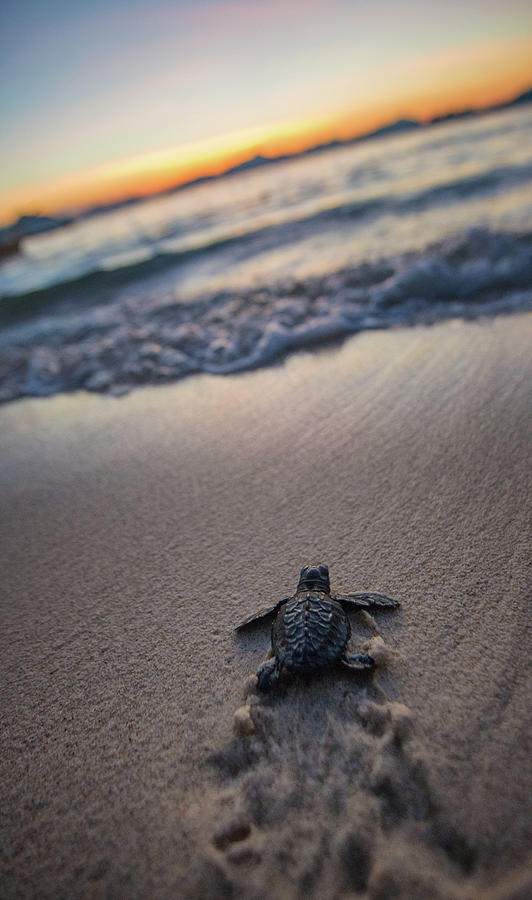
(135, 533)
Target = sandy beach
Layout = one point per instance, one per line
(137, 532)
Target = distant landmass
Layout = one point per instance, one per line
(259, 160)
(26, 225)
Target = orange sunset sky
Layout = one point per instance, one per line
(124, 97)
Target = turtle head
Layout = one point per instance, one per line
(314, 578)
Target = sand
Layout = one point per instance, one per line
(135, 533)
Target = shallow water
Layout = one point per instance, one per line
(229, 274)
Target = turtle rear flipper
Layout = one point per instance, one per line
(367, 600)
(262, 614)
(357, 661)
(268, 674)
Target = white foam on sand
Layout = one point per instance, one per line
(151, 336)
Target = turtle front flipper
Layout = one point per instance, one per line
(268, 674)
(365, 600)
(357, 661)
(263, 614)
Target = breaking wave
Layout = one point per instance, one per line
(113, 347)
(43, 285)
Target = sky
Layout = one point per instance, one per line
(120, 97)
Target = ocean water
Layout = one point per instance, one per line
(233, 273)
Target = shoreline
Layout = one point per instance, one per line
(148, 336)
(137, 532)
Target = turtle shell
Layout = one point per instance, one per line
(311, 630)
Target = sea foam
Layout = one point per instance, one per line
(115, 347)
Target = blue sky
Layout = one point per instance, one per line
(100, 83)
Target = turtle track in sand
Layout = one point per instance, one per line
(330, 800)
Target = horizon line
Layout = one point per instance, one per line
(239, 160)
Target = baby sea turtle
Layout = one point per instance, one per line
(311, 629)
